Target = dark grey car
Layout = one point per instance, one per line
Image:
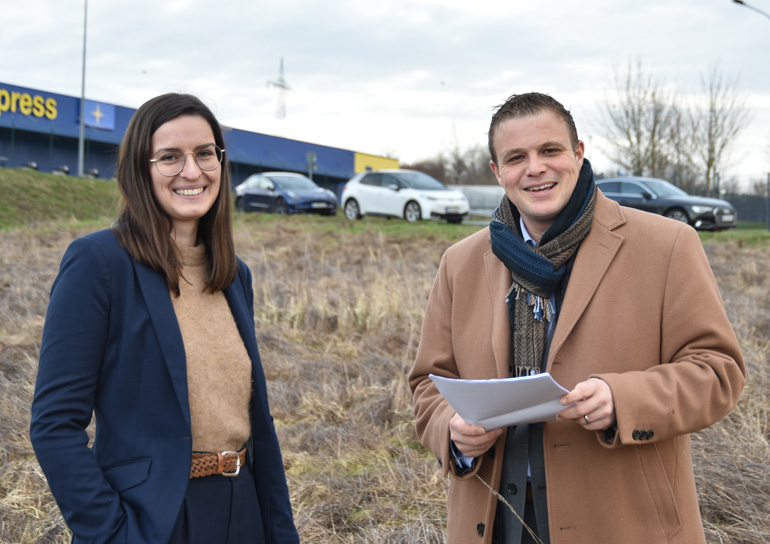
(661, 197)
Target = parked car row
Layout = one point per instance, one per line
(406, 194)
(414, 196)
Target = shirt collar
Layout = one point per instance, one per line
(525, 234)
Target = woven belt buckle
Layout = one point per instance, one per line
(221, 459)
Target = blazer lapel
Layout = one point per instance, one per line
(163, 317)
(237, 301)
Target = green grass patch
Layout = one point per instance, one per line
(32, 198)
(749, 234)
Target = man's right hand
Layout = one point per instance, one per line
(471, 440)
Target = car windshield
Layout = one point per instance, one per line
(293, 182)
(418, 180)
(664, 188)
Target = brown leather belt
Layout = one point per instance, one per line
(226, 463)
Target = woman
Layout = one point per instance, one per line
(151, 326)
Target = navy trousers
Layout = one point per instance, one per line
(220, 510)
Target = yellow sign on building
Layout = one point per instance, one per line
(364, 162)
(26, 104)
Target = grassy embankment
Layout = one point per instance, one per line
(338, 308)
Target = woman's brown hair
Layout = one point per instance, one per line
(143, 228)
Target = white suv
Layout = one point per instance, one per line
(409, 194)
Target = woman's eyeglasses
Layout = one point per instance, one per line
(171, 163)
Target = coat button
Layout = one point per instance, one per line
(650, 434)
(635, 434)
(512, 489)
(480, 529)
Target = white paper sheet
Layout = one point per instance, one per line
(500, 403)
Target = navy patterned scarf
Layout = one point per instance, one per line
(537, 271)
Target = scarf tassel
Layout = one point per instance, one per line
(542, 308)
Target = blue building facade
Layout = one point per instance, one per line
(40, 130)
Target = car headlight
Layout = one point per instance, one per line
(701, 209)
(291, 194)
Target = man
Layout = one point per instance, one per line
(620, 306)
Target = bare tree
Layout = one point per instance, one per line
(681, 170)
(459, 167)
(721, 116)
(637, 121)
(435, 167)
(759, 187)
(471, 166)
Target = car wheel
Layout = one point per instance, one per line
(352, 211)
(677, 214)
(412, 212)
(240, 205)
(280, 207)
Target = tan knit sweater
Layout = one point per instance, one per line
(218, 366)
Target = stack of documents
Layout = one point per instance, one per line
(502, 403)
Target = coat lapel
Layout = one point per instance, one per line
(594, 257)
(161, 310)
(499, 282)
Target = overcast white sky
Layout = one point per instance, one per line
(405, 78)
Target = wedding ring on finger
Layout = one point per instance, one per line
(586, 418)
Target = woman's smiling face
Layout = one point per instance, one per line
(189, 195)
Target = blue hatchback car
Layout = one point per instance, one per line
(283, 192)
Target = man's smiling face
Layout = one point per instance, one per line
(537, 166)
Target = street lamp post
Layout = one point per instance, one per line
(741, 2)
(82, 137)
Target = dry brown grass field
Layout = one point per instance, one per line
(338, 314)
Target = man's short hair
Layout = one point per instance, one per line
(523, 105)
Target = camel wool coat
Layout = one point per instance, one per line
(642, 312)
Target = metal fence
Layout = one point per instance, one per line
(750, 208)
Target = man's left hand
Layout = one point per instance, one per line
(594, 408)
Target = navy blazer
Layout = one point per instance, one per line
(112, 344)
